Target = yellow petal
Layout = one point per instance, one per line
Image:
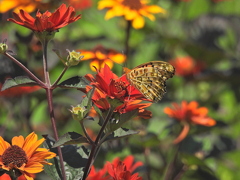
(30, 8)
(154, 9)
(138, 22)
(106, 4)
(6, 5)
(130, 14)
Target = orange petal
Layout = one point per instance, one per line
(18, 140)
(3, 145)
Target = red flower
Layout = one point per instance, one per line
(110, 85)
(98, 175)
(118, 170)
(189, 114)
(100, 56)
(18, 91)
(187, 66)
(46, 21)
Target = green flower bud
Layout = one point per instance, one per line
(78, 112)
(3, 48)
(73, 58)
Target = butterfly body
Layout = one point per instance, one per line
(150, 78)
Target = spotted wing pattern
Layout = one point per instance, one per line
(150, 78)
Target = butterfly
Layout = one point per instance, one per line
(150, 78)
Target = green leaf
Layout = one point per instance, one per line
(77, 82)
(75, 159)
(120, 133)
(18, 81)
(70, 138)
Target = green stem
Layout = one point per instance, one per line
(60, 77)
(49, 90)
(96, 145)
(86, 134)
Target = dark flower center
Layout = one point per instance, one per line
(14, 155)
(120, 86)
(132, 4)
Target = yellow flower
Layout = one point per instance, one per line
(24, 156)
(132, 10)
(26, 5)
(100, 56)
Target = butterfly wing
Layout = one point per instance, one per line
(150, 78)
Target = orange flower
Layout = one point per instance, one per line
(189, 114)
(24, 156)
(47, 21)
(18, 91)
(26, 5)
(117, 170)
(7, 177)
(132, 10)
(187, 66)
(100, 56)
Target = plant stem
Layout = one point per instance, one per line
(95, 146)
(49, 90)
(25, 69)
(60, 77)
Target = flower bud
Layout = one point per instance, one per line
(73, 58)
(3, 48)
(78, 112)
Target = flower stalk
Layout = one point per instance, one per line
(50, 104)
(96, 145)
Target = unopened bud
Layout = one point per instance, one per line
(73, 58)
(3, 48)
(78, 112)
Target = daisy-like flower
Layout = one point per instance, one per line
(100, 56)
(189, 113)
(187, 66)
(117, 170)
(26, 5)
(47, 21)
(109, 85)
(24, 155)
(132, 10)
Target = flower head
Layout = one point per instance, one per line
(117, 170)
(109, 85)
(187, 66)
(47, 21)
(189, 113)
(100, 56)
(123, 169)
(132, 10)
(24, 155)
(26, 5)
